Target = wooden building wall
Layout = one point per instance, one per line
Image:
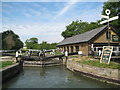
(102, 38)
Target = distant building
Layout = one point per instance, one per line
(91, 42)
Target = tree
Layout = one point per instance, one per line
(78, 27)
(32, 40)
(115, 10)
(32, 43)
(47, 46)
(10, 40)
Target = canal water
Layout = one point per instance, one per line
(53, 77)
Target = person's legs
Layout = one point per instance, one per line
(16, 59)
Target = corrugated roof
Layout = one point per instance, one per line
(84, 37)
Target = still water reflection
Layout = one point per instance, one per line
(53, 77)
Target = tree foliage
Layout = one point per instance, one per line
(115, 10)
(10, 40)
(32, 43)
(78, 27)
(47, 46)
(32, 40)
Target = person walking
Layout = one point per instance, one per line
(17, 56)
(66, 55)
(100, 52)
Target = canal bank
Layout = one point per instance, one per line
(10, 71)
(53, 77)
(103, 74)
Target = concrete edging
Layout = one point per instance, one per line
(102, 74)
(10, 71)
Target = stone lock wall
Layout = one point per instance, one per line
(112, 74)
(10, 72)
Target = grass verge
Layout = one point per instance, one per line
(97, 63)
(5, 64)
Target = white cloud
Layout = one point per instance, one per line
(29, 12)
(6, 8)
(66, 8)
(84, 14)
(36, 5)
(44, 32)
(34, 12)
(90, 16)
(57, 0)
(6, 5)
(48, 31)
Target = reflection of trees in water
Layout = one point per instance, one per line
(69, 76)
(42, 71)
(74, 77)
(13, 80)
(23, 72)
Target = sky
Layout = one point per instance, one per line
(46, 20)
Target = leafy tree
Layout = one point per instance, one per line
(115, 10)
(32, 40)
(47, 46)
(10, 40)
(32, 43)
(78, 27)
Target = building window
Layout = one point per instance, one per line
(77, 48)
(108, 35)
(71, 48)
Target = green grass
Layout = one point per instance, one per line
(98, 64)
(58, 53)
(73, 56)
(5, 64)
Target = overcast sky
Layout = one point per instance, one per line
(46, 20)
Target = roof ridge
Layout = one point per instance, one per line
(84, 37)
(87, 31)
